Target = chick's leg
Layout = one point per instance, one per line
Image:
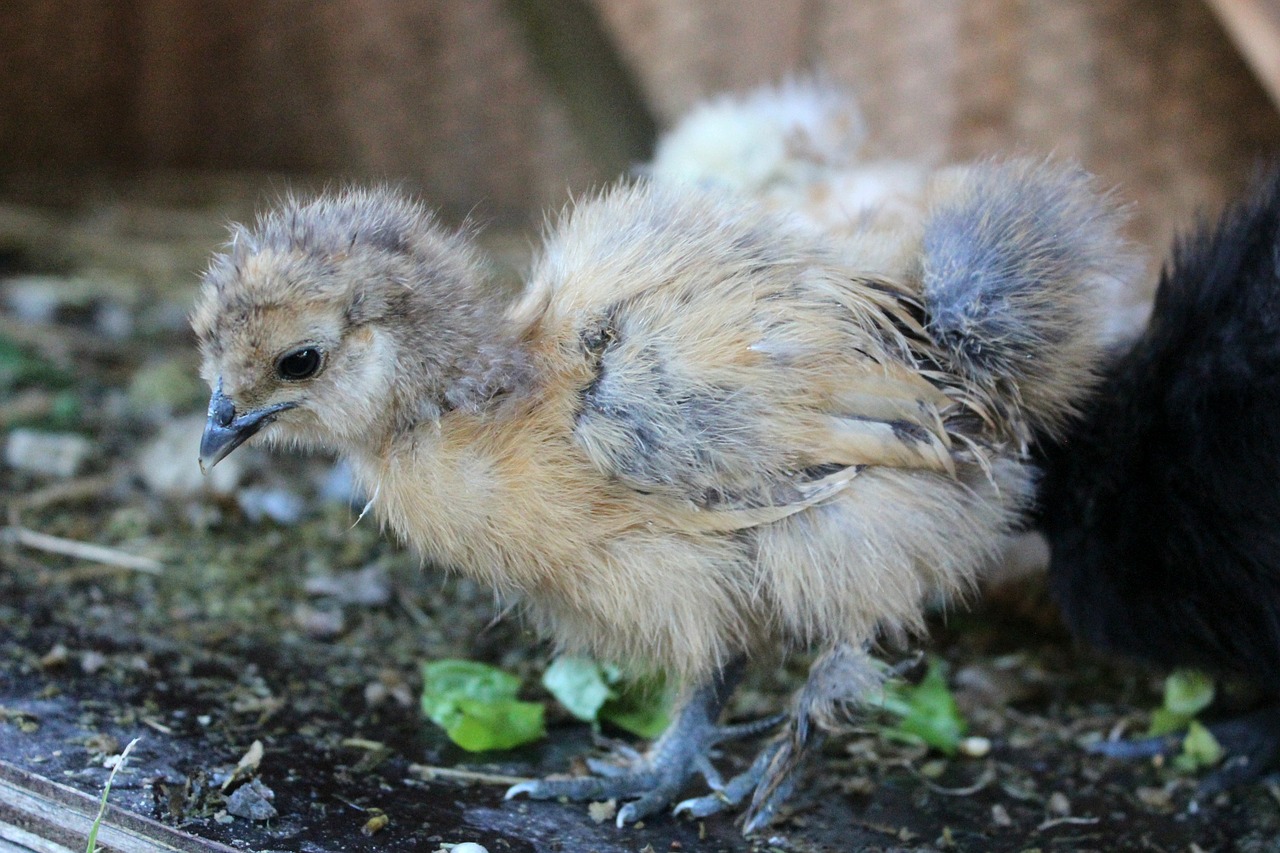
(772, 776)
(1251, 743)
(657, 777)
(840, 677)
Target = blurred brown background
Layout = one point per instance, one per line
(502, 106)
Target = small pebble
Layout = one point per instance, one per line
(375, 693)
(1158, 798)
(933, 769)
(319, 624)
(56, 656)
(105, 745)
(279, 505)
(252, 801)
(375, 824)
(975, 747)
(369, 587)
(469, 847)
(389, 686)
(860, 786)
(603, 811)
(1059, 804)
(53, 454)
(92, 661)
(34, 298)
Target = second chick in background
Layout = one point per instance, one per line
(705, 434)
(1162, 503)
(799, 147)
(803, 147)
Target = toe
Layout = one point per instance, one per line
(652, 802)
(520, 788)
(1129, 750)
(777, 774)
(706, 806)
(764, 809)
(583, 788)
(607, 769)
(709, 772)
(750, 729)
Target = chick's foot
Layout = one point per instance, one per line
(771, 776)
(839, 678)
(652, 781)
(1251, 743)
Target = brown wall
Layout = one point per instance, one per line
(450, 96)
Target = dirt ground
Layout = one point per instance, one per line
(255, 607)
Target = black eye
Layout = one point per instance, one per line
(299, 364)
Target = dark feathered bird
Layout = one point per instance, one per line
(1163, 506)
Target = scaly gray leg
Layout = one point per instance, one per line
(1251, 743)
(840, 677)
(657, 777)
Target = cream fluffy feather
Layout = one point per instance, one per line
(707, 430)
(703, 431)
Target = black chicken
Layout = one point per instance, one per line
(1162, 507)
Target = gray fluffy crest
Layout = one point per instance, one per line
(1014, 276)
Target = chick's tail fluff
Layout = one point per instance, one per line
(1021, 262)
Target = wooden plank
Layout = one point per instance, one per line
(14, 839)
(1254, 26)
(38, 815)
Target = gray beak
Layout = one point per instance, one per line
(226, 430)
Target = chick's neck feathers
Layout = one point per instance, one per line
(466, 364)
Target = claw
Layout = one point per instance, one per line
(584, 787)
(624, 816)
(705, 806)
(735, 791)
(652, 802)
(763, 808)
(520, 788)
(758, 820)
(1132, 749)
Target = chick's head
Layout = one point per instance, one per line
(334, 319)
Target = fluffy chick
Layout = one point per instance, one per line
(799, 146)
(703, 434)
(1161, 506)
(782, 135)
